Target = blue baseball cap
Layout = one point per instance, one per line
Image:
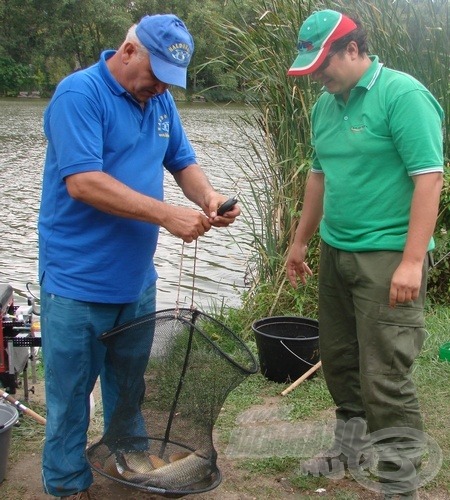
(170, 45)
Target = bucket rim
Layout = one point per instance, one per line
(290, 319)
(278, 337)
(14, 416)
(298, 320)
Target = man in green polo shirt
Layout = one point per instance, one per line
(374, 190)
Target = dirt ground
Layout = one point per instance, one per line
(23, 479)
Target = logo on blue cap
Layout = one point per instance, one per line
(181, 52)
(170, 46)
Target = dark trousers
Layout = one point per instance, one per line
(368, 348)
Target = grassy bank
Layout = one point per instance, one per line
(310, 403)
(287, 427)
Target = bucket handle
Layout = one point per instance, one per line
(293, 353)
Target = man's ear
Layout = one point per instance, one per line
(129, 49)
(352, 49)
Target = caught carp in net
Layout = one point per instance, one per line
(149, 470)
(159, 437)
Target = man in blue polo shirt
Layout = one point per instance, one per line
(374, 191)
(112, 130)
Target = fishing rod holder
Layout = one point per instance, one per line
(19, 340)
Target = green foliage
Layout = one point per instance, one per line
(270, 466)
(57, 37)
(439, 276)
(13, 76)
(259, 49)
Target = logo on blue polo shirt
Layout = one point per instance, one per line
(163, 126)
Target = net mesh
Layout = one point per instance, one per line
(159, 438)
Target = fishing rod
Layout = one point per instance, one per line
(22, 407)
(441, 259)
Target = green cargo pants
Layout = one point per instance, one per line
(368, 348)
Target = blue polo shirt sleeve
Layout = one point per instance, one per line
(74, 128)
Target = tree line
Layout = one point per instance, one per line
(41, 41)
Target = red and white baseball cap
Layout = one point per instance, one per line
(315, 37)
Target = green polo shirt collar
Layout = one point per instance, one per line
(370, 76)
(367, 81)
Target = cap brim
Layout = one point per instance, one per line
(310, 60)
(307, 63)
(168, 73)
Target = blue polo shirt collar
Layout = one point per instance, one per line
(112, 83)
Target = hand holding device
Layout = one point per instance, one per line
(227, 205)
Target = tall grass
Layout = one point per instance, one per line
(411, 36)
(259, 54)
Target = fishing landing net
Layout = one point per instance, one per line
(160, 437)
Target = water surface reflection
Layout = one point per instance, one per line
(220, 262)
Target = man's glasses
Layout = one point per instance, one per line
(326, 61)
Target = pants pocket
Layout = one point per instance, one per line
(396, 341)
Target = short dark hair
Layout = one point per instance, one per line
(358, 35)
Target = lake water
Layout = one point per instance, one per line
(222, 254)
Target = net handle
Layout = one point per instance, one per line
(177, 303)
(180, 384)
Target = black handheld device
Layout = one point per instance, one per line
(227, 205)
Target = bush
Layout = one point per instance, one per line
(14, 77)
(439, 278)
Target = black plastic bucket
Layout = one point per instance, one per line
(288, 346)
(8, 417)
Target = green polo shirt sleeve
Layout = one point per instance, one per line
(415, 122)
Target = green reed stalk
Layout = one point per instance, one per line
(411, 36)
